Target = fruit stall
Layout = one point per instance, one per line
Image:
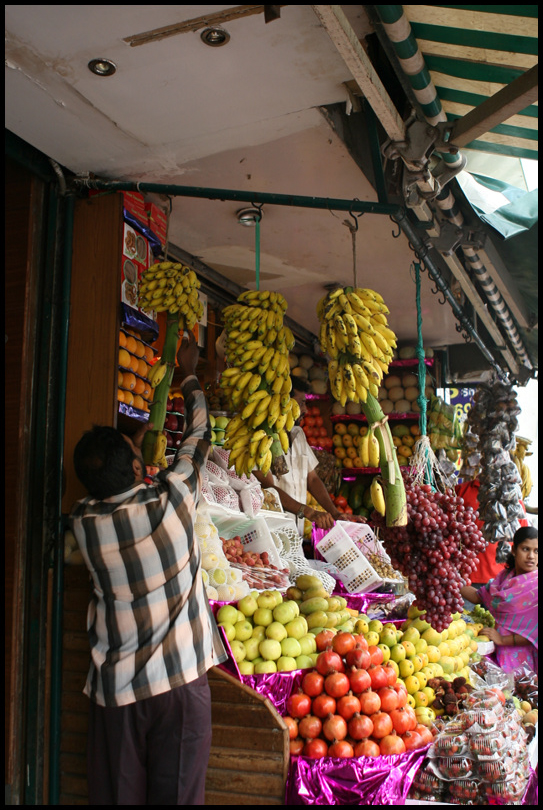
(354, 672)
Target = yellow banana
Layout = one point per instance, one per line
(294, 409)
(280, 422)
(243, 380)
(287, 385)
(370, 344)
(350, 324)
(378, 497)
(373, 449)
(360, 375)
(283, 438)
(230, 372)
(363, 450)
(157, 374)
(266, 464)
(159, 448)
(289, 424)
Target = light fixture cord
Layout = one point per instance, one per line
(353, 229)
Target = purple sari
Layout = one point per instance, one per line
(512, 600)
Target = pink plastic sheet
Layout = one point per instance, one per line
(364, 780)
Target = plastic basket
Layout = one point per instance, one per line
(355, 572)
(255, 535)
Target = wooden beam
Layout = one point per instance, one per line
(340, 31)
(194, 24)
(508, 101)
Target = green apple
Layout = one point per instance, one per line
(291, 647)
(263, 616)
(375, 626)
(276, 630)
(398, 653)
(229, 630)
(332, 618)
(333, 603)
(219, 435)
(293, 604)
(270, 649)
(267, 599)
(244, 630)
(221, 422)
(347, 627)
(248, 605)
(227, 613)
(297, 627)
(317, 619)
(284, 612)
(308, 644)
(286, 664)
(212, 421)
(388, 637)
(246, 667)
(304, 661)
(386, 652)
(259, 632)
(213, 437)
(265, 667)
(238, 650)
(251, 648)
(314, 657)
(425, 715)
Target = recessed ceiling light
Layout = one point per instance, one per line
(249, 216)
(215, 37)
(102, 67)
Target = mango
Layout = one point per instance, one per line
(311, 605)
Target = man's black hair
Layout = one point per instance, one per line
(299, 384)
(103, 462)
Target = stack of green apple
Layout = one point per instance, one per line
(218, 427)
(267, 634)
(321, 610)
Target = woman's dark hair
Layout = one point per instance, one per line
(522, 534)
(103, 462)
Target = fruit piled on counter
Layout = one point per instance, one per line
(399, 393)
(437, 549)
(354, 496)
(171, 287)
(135, 370)
(404, 438)
(480, 616)
(315, 431)
(257, 383)
(354, 333)
(353, 704)
(218, 428)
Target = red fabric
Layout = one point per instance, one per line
(487, 567)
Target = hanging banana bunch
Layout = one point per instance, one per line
(354, 333)
(173, 288)
(257, 384)
(518, 455)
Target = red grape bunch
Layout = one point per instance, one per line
(436, 551)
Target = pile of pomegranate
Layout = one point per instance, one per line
(352, 705)
(436, 551)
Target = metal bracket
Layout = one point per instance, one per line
(421, 141)
(453, 236)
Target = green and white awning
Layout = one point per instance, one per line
(472, 52)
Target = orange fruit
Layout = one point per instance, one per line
(149, 353)
(348, 462)
(351, 452)
(139, 387)
(357, 462)
(347, 440)
(129, 381)
(147, 389)
(133, 364)
(140, 349)
(119, 378)
(340, 452)
(120, 395)
(124, 358)
(131, 344)
(128, 398)
(138, 402)
(142, 368)
(341, 429)
(122, 340)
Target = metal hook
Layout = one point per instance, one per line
(258, 207)
(395, 235)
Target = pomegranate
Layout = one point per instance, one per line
(337, 684)
(412, 740)
(370, 702)
(296, 746)
(360, 726)
(342, 749)
(313, 683)
(376, 655)
(391, 744)
(400, 720)
(292, 726)
(382, 724)
(324, 639)
(367, 748)
(378, 677)
(359, 658)
(323, 705)
(299, 704)
(329, 662)
(348, 705)
(359, 680)
(310, 727)
(315, 749)
(334, 727)
(343, 642)
(389, 698)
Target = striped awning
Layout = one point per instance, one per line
(472, 52)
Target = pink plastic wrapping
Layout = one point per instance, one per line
(363, 780)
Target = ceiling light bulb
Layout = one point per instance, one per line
(102, 67)
(215, 36)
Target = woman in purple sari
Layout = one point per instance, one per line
(512, 599)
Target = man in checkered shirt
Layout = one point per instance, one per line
(151, 630)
